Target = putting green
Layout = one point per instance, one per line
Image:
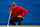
(23, 26)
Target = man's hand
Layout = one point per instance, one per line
(11, 11)
(19, 16)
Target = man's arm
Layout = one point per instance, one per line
(25, 11)
(10, 11)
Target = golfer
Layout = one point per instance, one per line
(16, 12)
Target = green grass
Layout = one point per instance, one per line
(22, 26)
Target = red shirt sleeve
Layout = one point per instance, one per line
(9, 11)
(24, 10)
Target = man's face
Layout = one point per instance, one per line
(13, 6)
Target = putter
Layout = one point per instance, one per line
(8, 20)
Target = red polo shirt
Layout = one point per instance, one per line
(18, 11)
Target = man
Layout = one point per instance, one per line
(16, 11)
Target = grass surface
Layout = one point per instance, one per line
(23, 26)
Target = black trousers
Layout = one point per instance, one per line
(18, 19)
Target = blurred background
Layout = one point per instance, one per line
(32, 17)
